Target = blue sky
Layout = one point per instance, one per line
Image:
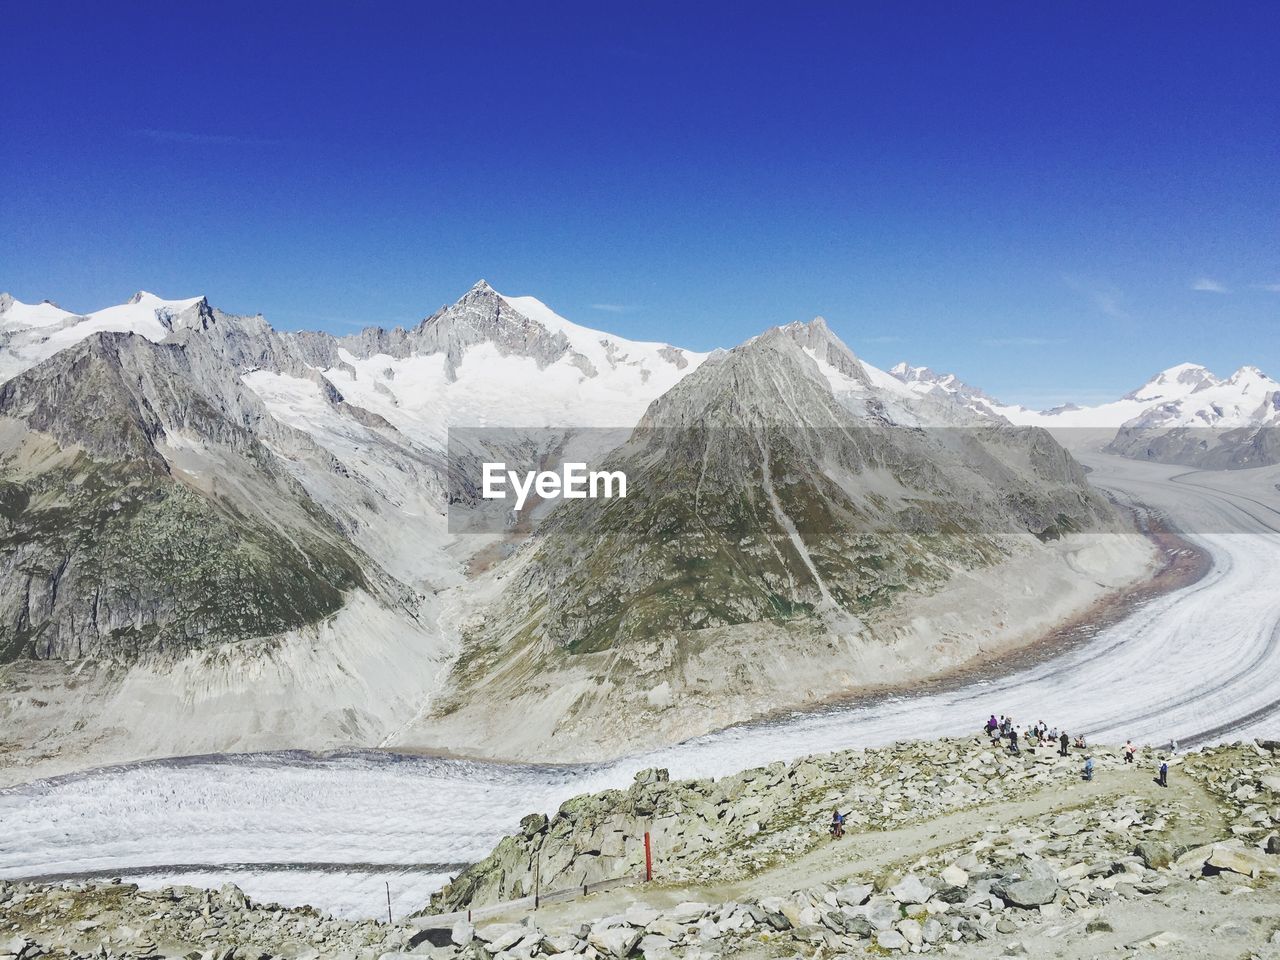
(1026, 194)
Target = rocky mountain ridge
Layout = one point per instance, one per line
(178, 480)
(784, 496)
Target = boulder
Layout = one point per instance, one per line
(1154, 855)
(654, 947)
(910, 889)
(933, 930)
(1237, 861)
(953, 876)
(614, 941)
(891, 940)
(499, 936)
(913, 931)
(665, 927)
(533, 824)
(853, 894)
(639, 916)
(691, 911)
(462, 933)
(1026, 893)
(560, 943)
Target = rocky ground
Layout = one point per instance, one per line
(953, 848)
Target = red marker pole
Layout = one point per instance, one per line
(648, 858)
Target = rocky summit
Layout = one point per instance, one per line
(950, 847)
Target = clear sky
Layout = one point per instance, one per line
(1053, 200)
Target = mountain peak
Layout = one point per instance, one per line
(1175, 381)
(1249, 374)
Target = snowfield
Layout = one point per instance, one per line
(1200, 664)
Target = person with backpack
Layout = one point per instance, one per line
(1129, 751)
(1063, 741)
(1088, 768)
(1163, 779)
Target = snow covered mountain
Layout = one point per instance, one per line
(250, 527)
(787, 500)
(30, 333)
(359, 422)
(1231, 423)
(241, 518)
(950, 389)
(1184, 414)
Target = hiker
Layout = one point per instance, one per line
(1088, 768)
(1063, 740)
(837, 824)
(1129, 751)
(1173, 746)
(1079, 744)
(992, 724)
(1163, 779)
(1013, 742)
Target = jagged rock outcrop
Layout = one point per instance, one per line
(729, 827)
(141, 513)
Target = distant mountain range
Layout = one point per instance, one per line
(251, 527)
(1185, 414)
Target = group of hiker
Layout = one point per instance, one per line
(1004, 729)
(1040, 733)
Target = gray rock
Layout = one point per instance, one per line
(653, 947)
(912, 930)
(933, 930)
(1154, 854)
(853, 894)
(911, 890)
(689, 912)
(614, 941)
(1238, 861)
(1027, 893)
(891, 940)
(462, 933)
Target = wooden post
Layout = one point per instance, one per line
(648, 858)
(388, 901)
(537, 886)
